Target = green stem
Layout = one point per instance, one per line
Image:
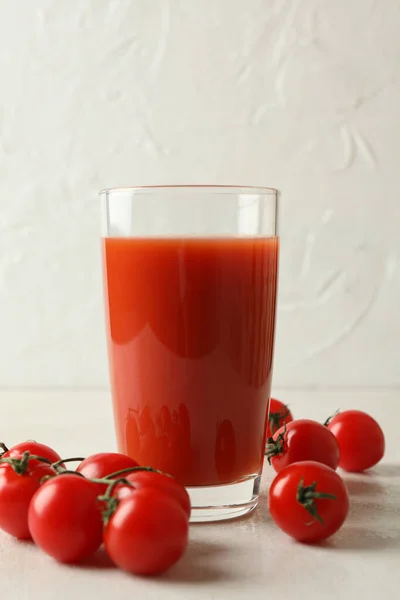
(4, 448)
(275, 447)
(20, 465)
(108, 482)
(46, 478)
(63, 472)
(275, 419)
(133, 470)
(68, 472)
(112, 485)
(111, 501)
(329, 419)
(306, 496)
(61, 462)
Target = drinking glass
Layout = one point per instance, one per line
(190, 283)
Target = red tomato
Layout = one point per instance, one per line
(278, 415)
(16, 492)
(297, 505)
(147, 533)
(65, 518)
(164, 483)
(303, 440)
(360, 438)
(103, 464)
(34, 448)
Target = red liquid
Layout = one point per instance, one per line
(191, 334)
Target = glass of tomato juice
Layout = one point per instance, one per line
(190, 283)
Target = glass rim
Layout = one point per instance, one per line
(215, 189)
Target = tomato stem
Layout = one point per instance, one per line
(275, 447)
(4, 448)
(111, 479)
(329, 419)
(60, 463)
(306, 496)
(275, 418)
(110, 501)
(68, 472)
(20, 465)
(132, 470)
(108, 482)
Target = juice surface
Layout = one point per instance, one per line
(190, 336)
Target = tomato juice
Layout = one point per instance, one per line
(190, 338)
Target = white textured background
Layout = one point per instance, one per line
(304, 96)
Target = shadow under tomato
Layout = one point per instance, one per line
(363, 485)
(361, 540)
(28, 543)
(385, 470)
(99, 560)
(200, 565)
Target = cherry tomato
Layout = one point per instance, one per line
(298, 506)
(16, 492)
(169, 485)
(34, 448)
(147, 533)
(278, 415)
(100, 465)
(360, 438)
(65, 519)
(303, 440)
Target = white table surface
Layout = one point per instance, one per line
(246, 558)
